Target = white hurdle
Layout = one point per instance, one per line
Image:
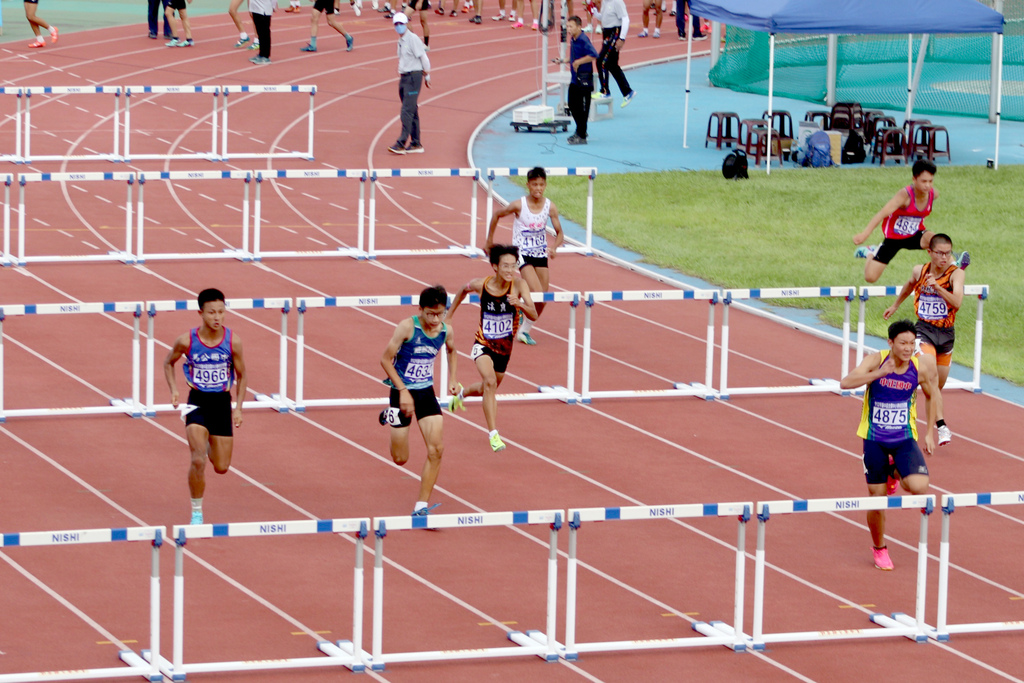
(950, 502)
(278, 401)
(898, 624)
(980, 291)
(357, 252)
(264, 89)
(131, 405)
(240, 252)
(139, 90)
(532, 643)
(113, 155)
(25, 178)
(463, 249)
(6, 257)
(304, 304)
(589, 172)
(137, 665)
(815, 385)
(679, 388)
(14, 155)
(716, 632)
(341, 653)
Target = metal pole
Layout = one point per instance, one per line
(300, 356)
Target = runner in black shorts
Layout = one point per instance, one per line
(212, 412)
(37, 23)
(421, 6)
(186, 26)
(424, 405)
(329, 8)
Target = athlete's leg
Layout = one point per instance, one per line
(235, 16)
(431, 429)
(916, 484)
(926, 239)
(537, 279)
(488, 388)
(400, 445)
(199, 445)
(426, 29)
(943, 375)
(873, 269)
(169, 19)
(314, 24)
(220, 453)
(186, 27)
(335, 23)
(876, 518)
(34, 21)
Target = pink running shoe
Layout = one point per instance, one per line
(882, 560)
(37, 43)
(518, 24)
(53, 34)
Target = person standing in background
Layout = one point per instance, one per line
(260, 11)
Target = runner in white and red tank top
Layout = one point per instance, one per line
(902, 220)
(529, 234)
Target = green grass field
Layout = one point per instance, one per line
(795, 228)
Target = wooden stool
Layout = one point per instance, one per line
(723, 131)
(927, 143)
(871, 116)
(825, 116)
(756, 144)
(910, 127)
(888, 143)
(847, 115)
(782, 122)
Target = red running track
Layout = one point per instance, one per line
(73, 607)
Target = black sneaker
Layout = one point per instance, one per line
(576, 140)
(476, 20)
(397, 149)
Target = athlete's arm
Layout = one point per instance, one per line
(900, 200)
(522, 299)
(928, 378)
(868, 371)
(908, 288)
(403, 333)
(955, 298)
(241, 378)
(510, 208)
(472, 286)
(556, 223)
(453, 356)
(177, 351)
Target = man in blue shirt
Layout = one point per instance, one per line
(582, 57)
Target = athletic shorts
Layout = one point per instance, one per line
(906, 455)
(891, 246)
(31, 2)
(177, 4)
(424, 405)
(324, 6)
(939, 339)
(419, 5)
(500, 360)
(532, 261)
(213, 411)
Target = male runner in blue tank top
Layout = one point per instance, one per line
(888, 422)
(213, 362)
(408, 361)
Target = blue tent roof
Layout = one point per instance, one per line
(852, 16)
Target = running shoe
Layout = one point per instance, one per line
(358, 7)
(642, 34)
(882, 560)
(307, 48)
(260, 61)
(518, 24)
(453, 14)
(602, 96)
(456, 402)
(512, 16)
(349, 42)
(497, 444)
(576, 140)
(292, 8)
(525, 337)
(476, 20)
(414, 149)
(197, 517)
(964, 260)
(500, 17)
(242, 41)
(53, 34)
(185, 43)
(173, 42)
(535, 25)
(439, 10)
(627, 98)
(254, 45)
(945, 436)
(862, 252)
(657, 33)
(37, 43)
(892, 482)
(423, 512)
(373, 4)
(397, 149)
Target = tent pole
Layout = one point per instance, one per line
(771, 87)
(910, 70)
(999, 102)
(994, 70)
(917, 75)
(831, 68)
(686, 112)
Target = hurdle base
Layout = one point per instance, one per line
(833, 386)
(699, 389)
(274, 402)
(719, 629)
(563, 394)
(136, 661)
(345, 650)
(533, 638)
(165, 666)
(901, 621)
(129, 406)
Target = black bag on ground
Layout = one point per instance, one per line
(853, 150)
(735, 165)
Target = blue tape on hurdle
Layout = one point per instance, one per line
(799, 506)
(984, 499)
(12, 539)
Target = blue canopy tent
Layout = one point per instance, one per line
(851, 17)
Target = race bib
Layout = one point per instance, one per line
(496, 326)
(534, 240)
(905, 226)
(420, 370)
(210, 375)
(932, 308)
(890, 415)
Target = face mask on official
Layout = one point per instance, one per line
(400, 29)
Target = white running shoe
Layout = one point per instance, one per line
(945, 436)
